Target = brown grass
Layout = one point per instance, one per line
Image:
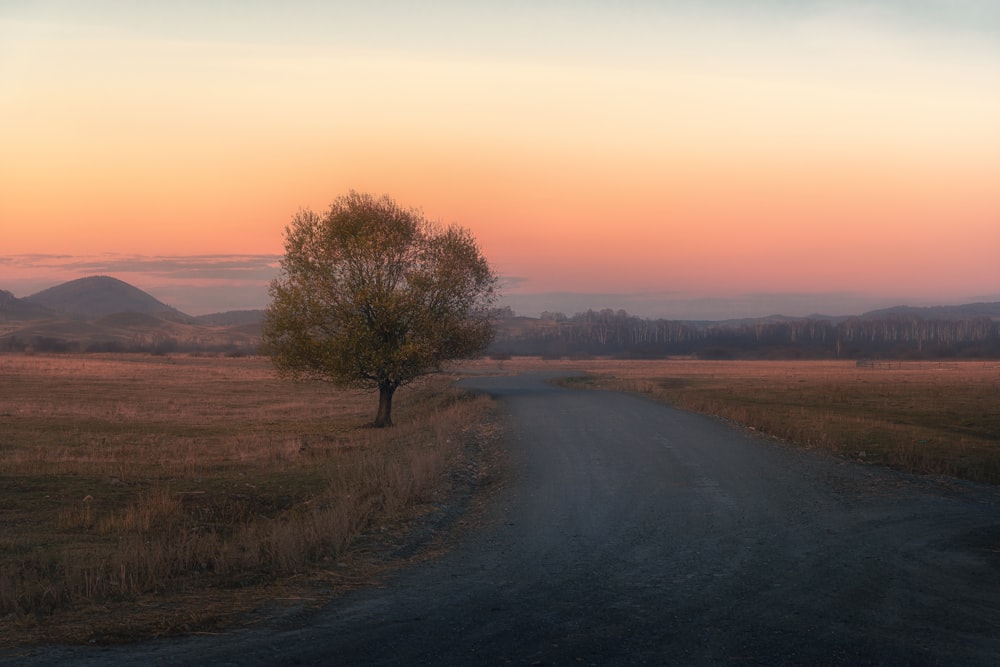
(923, 417)
(164, 494)
(128, 478)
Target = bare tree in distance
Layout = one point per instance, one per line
(372, 295)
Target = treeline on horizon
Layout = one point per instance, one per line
(618, 334)
(156, 345)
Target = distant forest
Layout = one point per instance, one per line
(934, 334)
(618, 334)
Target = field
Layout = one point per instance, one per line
(128, 480)
(923, 417)
(144, 495)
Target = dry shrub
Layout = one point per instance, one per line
(157, 507)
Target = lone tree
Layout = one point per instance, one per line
(372, 295)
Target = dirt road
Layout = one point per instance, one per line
(631, 533)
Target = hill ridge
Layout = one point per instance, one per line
(103, 313)
(97, 296)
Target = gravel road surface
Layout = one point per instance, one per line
(632, 533)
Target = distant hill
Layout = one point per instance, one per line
(231, 318)
(104, 314)
(13, 309)
(964, 312)
(96, 296)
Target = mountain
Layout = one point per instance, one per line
(104, 314)
(964, 312)
(231, 318)
(13, 309)
(96, 296)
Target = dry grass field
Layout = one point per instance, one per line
(925, 417)
(144, 495)
(129, 480)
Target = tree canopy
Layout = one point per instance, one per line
(372, 295)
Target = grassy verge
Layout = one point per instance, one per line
(129, 480)
(930, 418)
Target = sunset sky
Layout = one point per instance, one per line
(676, 159)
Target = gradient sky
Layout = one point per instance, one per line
(676, 159)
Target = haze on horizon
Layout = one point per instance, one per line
(678, 159)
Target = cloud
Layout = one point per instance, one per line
(198, 267)
(513, 282)
(192, 267)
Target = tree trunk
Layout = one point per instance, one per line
(384, 416)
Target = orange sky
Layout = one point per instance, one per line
(738, 149)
